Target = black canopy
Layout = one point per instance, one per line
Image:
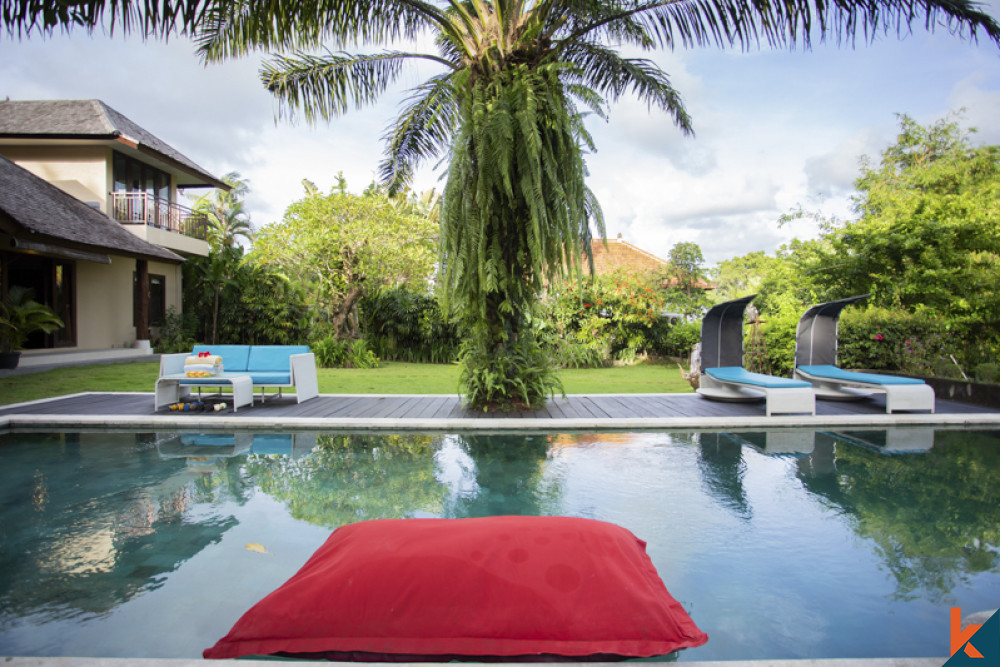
(722, 334)
(816, 337)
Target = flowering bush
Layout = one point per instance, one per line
(606, 319)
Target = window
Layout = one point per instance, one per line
(157, 300)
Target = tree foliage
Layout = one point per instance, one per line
(925, 244)
(338, 246)
(928, 236)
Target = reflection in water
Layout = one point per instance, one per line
(354, 477)
(722, 468)
(83, 526)
(92, 521)
(934, 517)
(508, 472)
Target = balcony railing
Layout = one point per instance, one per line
(140, 208)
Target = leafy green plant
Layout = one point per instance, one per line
(519, 374)
(174, 334)
(987, 372)
(403, 325)
(21, 316)
(333, 353)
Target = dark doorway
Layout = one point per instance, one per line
(53, 282)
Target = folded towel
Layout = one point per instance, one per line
(202, 366)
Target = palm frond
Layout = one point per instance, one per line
(422, 130)
(325, 86)
(160, 18)
(611, 75)
(236, 27)
(778, 23)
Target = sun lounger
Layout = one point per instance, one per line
(816, 362)
(723, 377)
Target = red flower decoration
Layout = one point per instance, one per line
(878, 336)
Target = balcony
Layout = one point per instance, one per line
(140, 208)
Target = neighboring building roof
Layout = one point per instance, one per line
(93, 119)
(619, 254)
(41, 212)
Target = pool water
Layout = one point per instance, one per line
(780, 544)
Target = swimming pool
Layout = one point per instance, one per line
(787, 543)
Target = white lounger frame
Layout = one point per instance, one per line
(897, 396)
(778, 400)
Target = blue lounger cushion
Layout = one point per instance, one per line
(741, 375)
(234, 357)
(834, 373)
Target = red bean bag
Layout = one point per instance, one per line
(497, 588)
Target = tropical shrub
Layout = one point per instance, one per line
(176, 334)
(680, 338)
(987, 372)
(239, 303)
(518, 367)
(403, 325)
(334, 353)
(614, 318)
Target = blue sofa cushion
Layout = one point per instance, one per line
(834, 373)
(234, 357)
(743, 376)
(265, 377)
(273, 357)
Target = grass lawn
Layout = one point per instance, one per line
(391, 378)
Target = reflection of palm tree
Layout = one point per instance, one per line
(508, 470)
(722, 469)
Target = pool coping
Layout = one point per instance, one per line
(242, 421)
(193, 662)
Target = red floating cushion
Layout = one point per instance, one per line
(411, 589)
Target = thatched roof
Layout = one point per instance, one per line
(95, 120)
(35, 211)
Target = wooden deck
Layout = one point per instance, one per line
(426, 411)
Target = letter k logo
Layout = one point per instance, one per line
(985, 652)
(960, 637)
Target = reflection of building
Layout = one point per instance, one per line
(100, 538)
(89, 214)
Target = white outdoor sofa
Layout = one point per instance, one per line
(245, 367)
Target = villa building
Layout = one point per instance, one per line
(90, 220)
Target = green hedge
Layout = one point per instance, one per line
(880, 339)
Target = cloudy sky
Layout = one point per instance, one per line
(775, 130)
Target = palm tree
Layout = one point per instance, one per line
(227, 221)
(507, 109)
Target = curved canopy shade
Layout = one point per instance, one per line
(816, 336)
(722, 334)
